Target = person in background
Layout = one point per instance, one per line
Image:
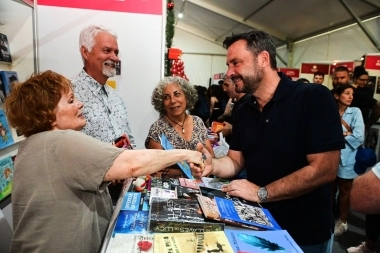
(171, 98)
(369, 106)
(288, 138)
(217, 102)
(104, 110)
(59, 200)
(236, 99)
(318, 77)
(353, 132)
(360, 79)
(201, 107)
(303, 80)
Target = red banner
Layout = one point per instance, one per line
(218, 76)
(350, 65)
(134, 6)
(311, 68)
(372, 62)
(291, 72)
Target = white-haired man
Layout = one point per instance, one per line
(104, 109)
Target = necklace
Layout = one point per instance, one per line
(183, 123)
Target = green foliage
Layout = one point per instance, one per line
(170, 20)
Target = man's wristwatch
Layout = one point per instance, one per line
(262, 193)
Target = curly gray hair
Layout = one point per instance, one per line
(188, 89)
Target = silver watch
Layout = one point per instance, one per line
(262, 193)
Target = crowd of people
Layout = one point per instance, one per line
(292, 145)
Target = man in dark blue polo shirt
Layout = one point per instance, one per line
(288, 137)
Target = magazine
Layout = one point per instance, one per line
(243, 240)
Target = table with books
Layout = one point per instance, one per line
(190, 215)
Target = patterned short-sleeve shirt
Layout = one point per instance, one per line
(162, 126)
(106, 114)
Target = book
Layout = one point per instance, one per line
(216, 126)
(5, 132)
(6, 177)
(184, 166)
(5, 54)
(192, 242)
(211, 193)
(186, 193)
(132, 243)
(164, 183)
(162, 193)
(190, 183)
(131, 222)
(183, 211)
(233, 211)
(214, 183)
(135, 201)
(2, 92)
(243, 240)
(8, 78)
(182, 227)
(236, 213)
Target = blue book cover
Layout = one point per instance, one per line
(244, 240)
(184, 166)
(135, 201)
(6, 177)
(131, 222)
(8, 78)
(5, 132)
(251, 215)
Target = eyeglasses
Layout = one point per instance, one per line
(363, 80)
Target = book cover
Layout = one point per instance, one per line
(135, 201)
(8, 78)
(164, 183)
(211, 193)
(243, 240)
(190, 183)
(184, 211)
(6, 177)
(209, 207)
(184, 166)
(162, 193)
(236, 211)
(186, 193)
(210, 211)
(185, 227)
(132, 243)
(2, 92)
(5, 132)
(214, 183)
(131, 222)
(192, 242)
(5, 54)
(216, 126)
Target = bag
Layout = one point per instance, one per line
(365, 157)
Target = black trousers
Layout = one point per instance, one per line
(372, 226)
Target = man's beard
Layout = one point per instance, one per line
(251, 83)
(108, 70)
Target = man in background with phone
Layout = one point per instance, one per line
(104, 109)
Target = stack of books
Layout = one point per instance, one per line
(190, 215)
